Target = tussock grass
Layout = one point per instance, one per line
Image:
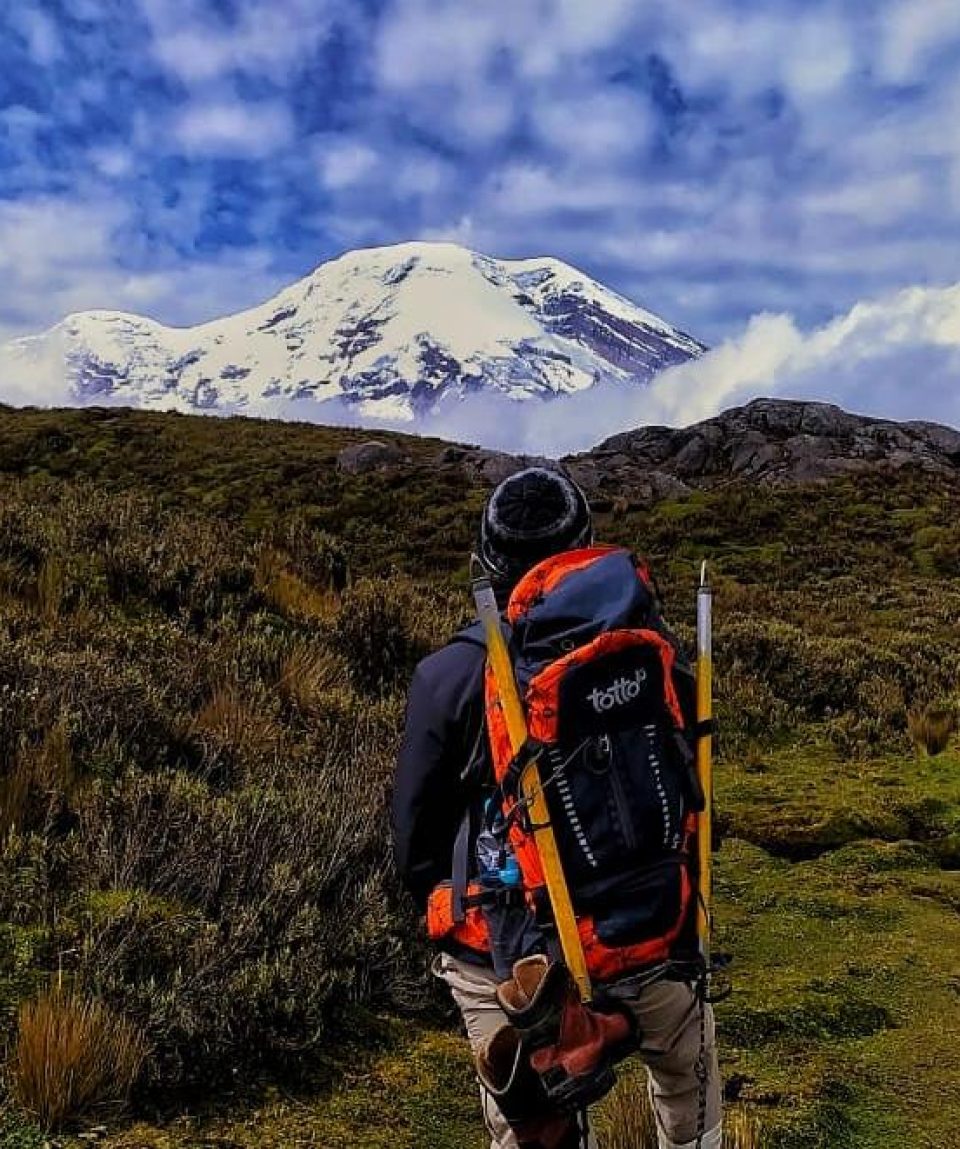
(50, 590)
(236, 723)
(73, 1056)
(291, 595)
(932, 728)
(625, 1120)
(39, 782)
(309, 675)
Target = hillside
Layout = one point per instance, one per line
(206, 628)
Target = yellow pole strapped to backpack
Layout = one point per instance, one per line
(705, 757)
(531, 791)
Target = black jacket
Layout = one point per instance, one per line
(444, 729)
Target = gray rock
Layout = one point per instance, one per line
(802, 448)
(898, 458)
(693, 459)
(490, 466)
(372, 455)
(588, 475)
(944, 440)
(664, 486)
(752, 453)
(494, 466)
(826, 420)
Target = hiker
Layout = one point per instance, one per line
(496, 952)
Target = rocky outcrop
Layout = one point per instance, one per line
(769, 441)
(778, 441)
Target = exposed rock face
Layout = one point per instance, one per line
(771, 441)
(778, 441)
(372, 455)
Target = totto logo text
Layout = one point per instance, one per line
(618, 693)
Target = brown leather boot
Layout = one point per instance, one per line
(505, 1072)
(572, 1047)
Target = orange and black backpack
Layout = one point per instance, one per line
(608, 702)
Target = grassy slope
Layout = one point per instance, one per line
(838, 888)
(843, 1028)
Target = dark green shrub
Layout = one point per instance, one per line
(378, 630)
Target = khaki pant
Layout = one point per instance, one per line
(668, 1016)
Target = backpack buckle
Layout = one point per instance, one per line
(529, 752)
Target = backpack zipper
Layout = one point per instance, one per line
(559, 772)
(619, 795)
(669, 837)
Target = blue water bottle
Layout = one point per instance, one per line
(496, 861)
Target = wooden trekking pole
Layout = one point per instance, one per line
(531, 790)
(705, 757)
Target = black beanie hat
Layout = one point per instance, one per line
(530, 516)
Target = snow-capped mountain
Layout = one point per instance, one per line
(390, 331)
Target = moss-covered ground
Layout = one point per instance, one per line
(845, 1021)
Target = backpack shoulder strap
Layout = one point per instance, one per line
(472, 775)
(470, 635)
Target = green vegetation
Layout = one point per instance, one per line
(197, 729)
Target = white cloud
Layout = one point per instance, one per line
(424, 44)
(421, 174)
(113, 162)
(573, 27)
(866, 360)
(820, 57)
(487, 66)
(519, 190)
(267, 37)
(237, 128)
(40, 32)
(34, 374)
(911, 31)
(344, 163)
(46, 247)
(59, 256)
(600, 127)
(876, 202)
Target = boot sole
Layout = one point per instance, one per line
(573, 1093)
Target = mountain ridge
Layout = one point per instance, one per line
(391, 332)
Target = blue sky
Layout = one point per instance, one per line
(712, 159)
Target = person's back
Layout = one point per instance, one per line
(444, 781)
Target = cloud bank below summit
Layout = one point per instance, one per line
(896, 358)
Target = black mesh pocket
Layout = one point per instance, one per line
(646, 903)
